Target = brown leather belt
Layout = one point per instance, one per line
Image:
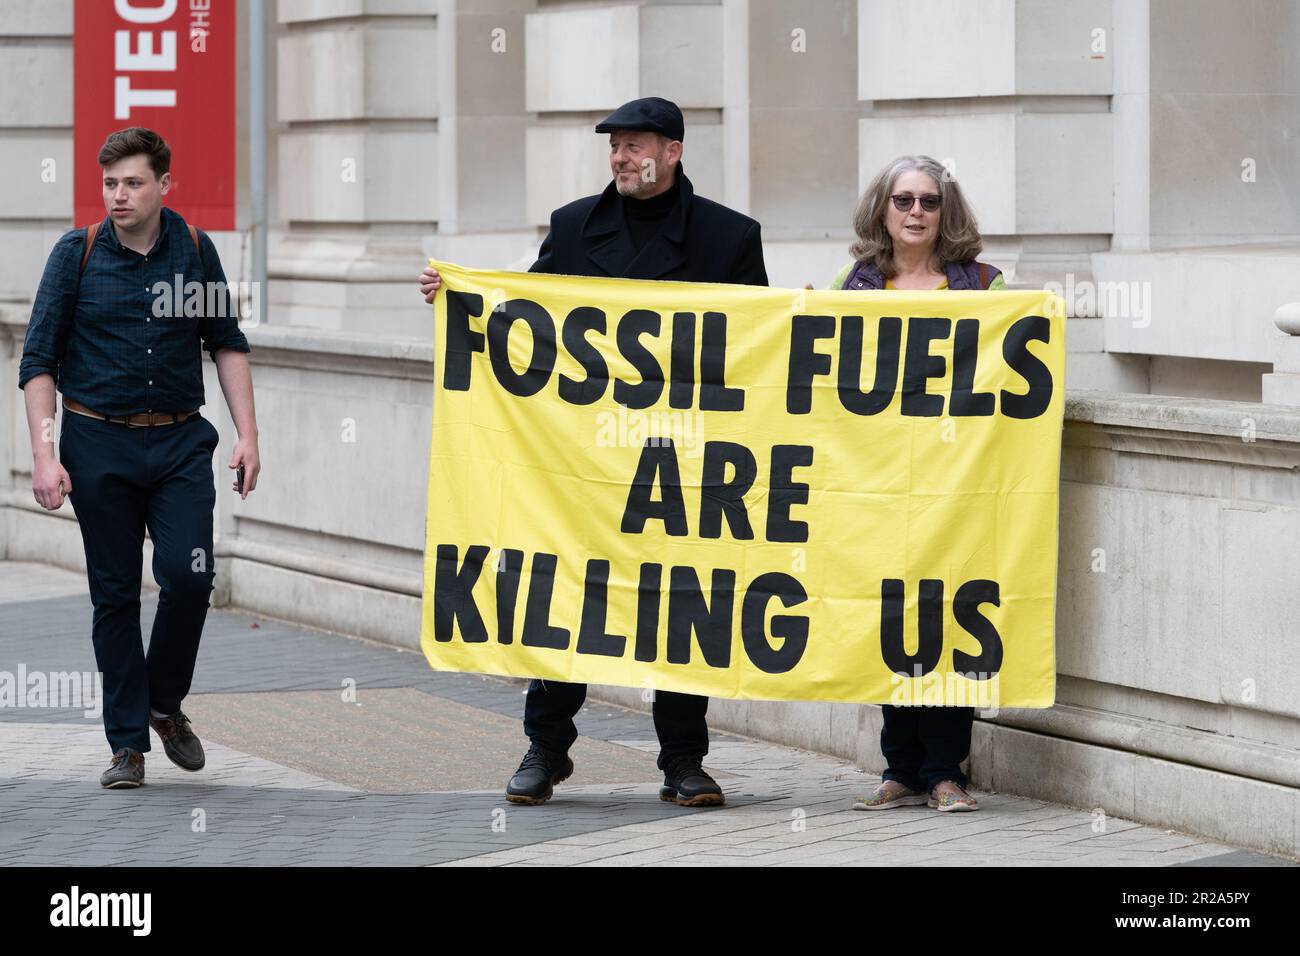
(140, 420)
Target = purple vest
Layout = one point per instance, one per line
(961, 276)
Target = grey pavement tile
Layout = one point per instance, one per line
(260, 812)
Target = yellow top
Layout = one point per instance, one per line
(889, 284)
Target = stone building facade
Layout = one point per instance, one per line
(1141, 155)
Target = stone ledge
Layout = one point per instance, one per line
(349, 344)
(1163, 413)
(1170, 413)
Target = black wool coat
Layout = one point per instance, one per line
(700, 241)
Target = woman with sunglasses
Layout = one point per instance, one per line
(916, 232)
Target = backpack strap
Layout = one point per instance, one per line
(984, 275)
(93, 230)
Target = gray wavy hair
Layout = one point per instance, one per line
(959, 234)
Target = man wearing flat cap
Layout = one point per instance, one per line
(647, 224)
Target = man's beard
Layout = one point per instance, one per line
(636, 188)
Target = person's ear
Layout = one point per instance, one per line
(165, 183)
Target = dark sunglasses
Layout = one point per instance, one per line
(903, 202)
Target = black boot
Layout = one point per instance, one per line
(535, 780)
(687, 785)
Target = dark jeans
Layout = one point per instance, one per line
(125, 480)
(551, 705)
(925, 745)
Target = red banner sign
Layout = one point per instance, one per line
(168, 65)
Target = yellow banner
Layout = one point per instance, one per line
(746, 492)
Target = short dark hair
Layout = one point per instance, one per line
(136, 141)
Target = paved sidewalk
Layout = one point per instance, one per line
(328, 750)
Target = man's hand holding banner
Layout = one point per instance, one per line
(746, 492)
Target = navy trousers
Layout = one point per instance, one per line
(925, 745)
(125, 480)
(550, 707)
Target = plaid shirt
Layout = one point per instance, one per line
(114, 338)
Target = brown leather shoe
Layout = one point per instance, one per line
(180, 744)
(125, 772)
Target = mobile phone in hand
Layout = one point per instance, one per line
(239, 480)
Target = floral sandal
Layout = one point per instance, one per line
(947, 797)
(890, 794)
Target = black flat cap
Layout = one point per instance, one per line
(650, 113)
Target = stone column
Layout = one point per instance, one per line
(358, 162)
(803, 115)
(36, 163)
(1207, 214)
(35, 139)
(404, 139)
(481, 130)
(1014, 97)
(585, 60)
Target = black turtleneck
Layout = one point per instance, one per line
(645, 217)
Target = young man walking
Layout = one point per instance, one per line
(134, 452)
